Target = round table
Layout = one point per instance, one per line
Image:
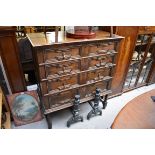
(139, 113)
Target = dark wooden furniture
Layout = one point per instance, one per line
(146, 29)
(139, 113)
(136, 61)
(126, 50)
(9, 53)
(70, 67)
(140, 71)
(26, 59)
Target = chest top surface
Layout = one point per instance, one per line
(40, 39)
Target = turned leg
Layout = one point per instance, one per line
(76, 117)
(49, 123)
(104, 102)
(95, 106)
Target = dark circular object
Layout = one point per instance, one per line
(84, 35)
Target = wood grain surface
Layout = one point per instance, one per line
(139, 113)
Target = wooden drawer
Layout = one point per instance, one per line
(60, 54)
(96, 75)
(101, 46)
(59, 101)
(89, 90)
(62, 83)
(99, 61)
(62, 98)
(63, 68)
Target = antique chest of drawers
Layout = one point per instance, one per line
(73, 66)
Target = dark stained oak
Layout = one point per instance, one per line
(151, 75)
(127, 48)
(146, 29)
(40, 39)
(139, 113)
(67, 67)
(124, 57)
(9, 53)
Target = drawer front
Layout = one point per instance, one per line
(63, 68)
(99, 61)
(60, 54)
(62, 98)
(97, 75)
(101, 46)
(89, 90)
(62, 83)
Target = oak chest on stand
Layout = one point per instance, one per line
(69, 67)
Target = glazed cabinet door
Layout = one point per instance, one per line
(141, 62)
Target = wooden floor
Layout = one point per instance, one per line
(139, 113)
